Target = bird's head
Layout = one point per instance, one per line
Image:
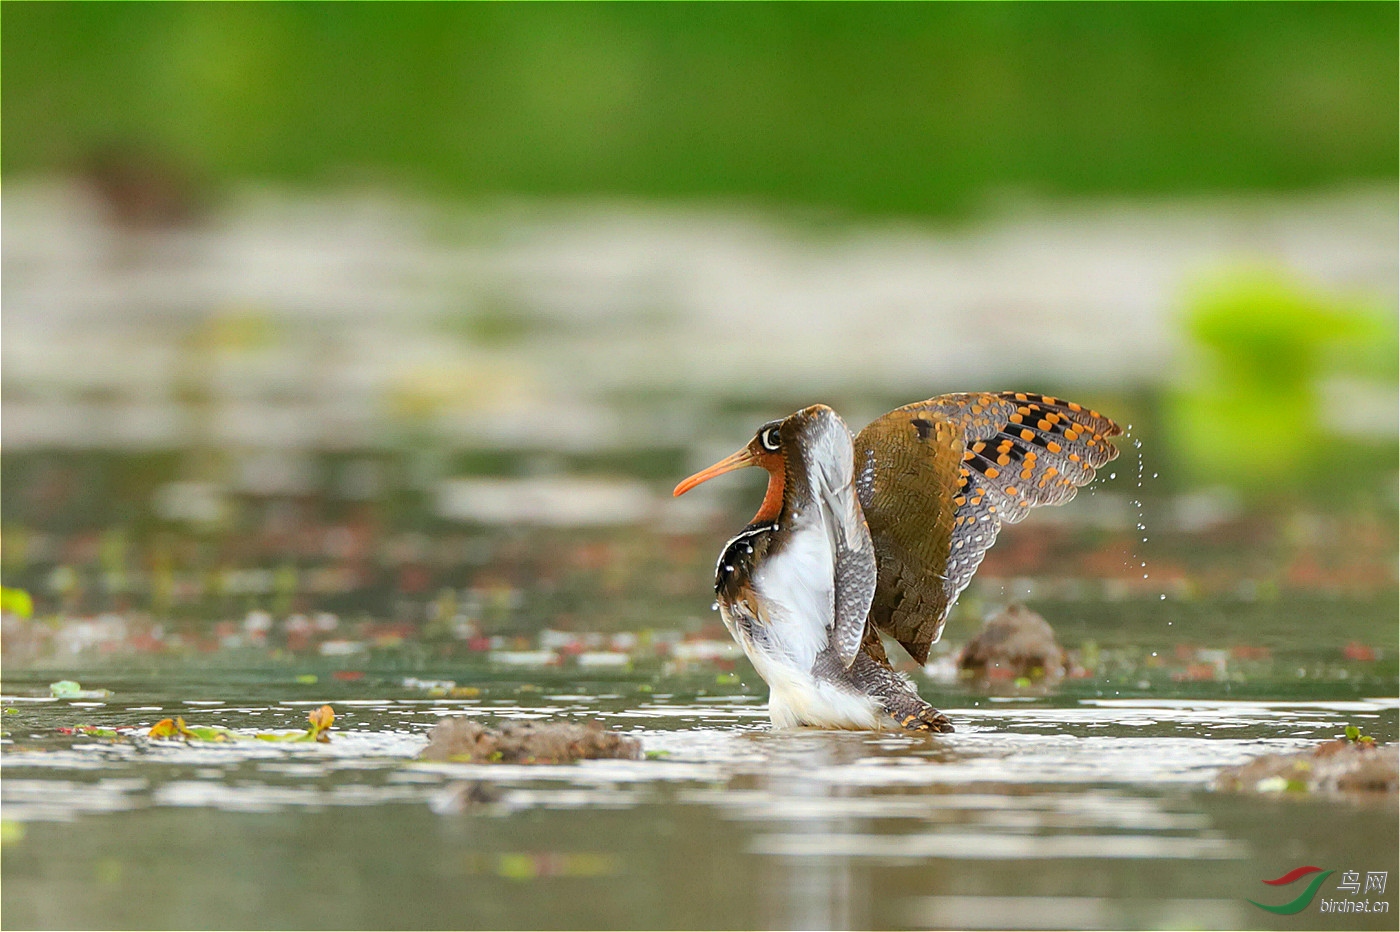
(778, 447)
(767, 450)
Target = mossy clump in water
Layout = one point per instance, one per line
(1342, 766)
(1016, 644)
(467, 741)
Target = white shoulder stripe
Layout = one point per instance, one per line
(746, 532)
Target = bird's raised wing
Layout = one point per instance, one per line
(853, 571)
(937, 478)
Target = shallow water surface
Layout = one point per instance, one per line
(1042, 813)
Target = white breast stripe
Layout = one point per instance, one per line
(796, 587)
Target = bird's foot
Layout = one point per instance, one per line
(927, 719)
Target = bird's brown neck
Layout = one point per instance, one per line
(773, 499)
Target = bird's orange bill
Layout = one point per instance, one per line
(730, 463)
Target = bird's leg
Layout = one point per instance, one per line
(914, 714)
(897, 695)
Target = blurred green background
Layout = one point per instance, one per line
(906, 109)
(412, 313)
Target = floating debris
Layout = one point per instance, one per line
(610, 659)
(1353, 765)
(1016, 644)
(524, 658)
(460, 739)
(319, 720)
(439, 687)
(340, 648)
(176, 728)
(1355, 650)
(91, 731)
(442, 688)
(16, 601)
(69, 689)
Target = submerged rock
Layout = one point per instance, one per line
(461, 739)
(1014, 644)
(1339, 766)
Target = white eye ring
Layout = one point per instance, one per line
(770, 440)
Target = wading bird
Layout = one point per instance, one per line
(881, 534)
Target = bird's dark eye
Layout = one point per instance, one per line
(770, 439)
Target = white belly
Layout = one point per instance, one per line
(798, 698)
(798, 596)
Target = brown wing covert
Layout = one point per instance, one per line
(1012, 450)
(907, 466)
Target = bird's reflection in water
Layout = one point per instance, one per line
(810, 750)
(812, 892)
(815, 892)
(807, 788)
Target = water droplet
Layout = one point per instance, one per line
(1154, 475)
(1113, 475)
(714, 606)
(1138, 444)
(1163, 597)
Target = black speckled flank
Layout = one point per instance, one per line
(741, 556)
